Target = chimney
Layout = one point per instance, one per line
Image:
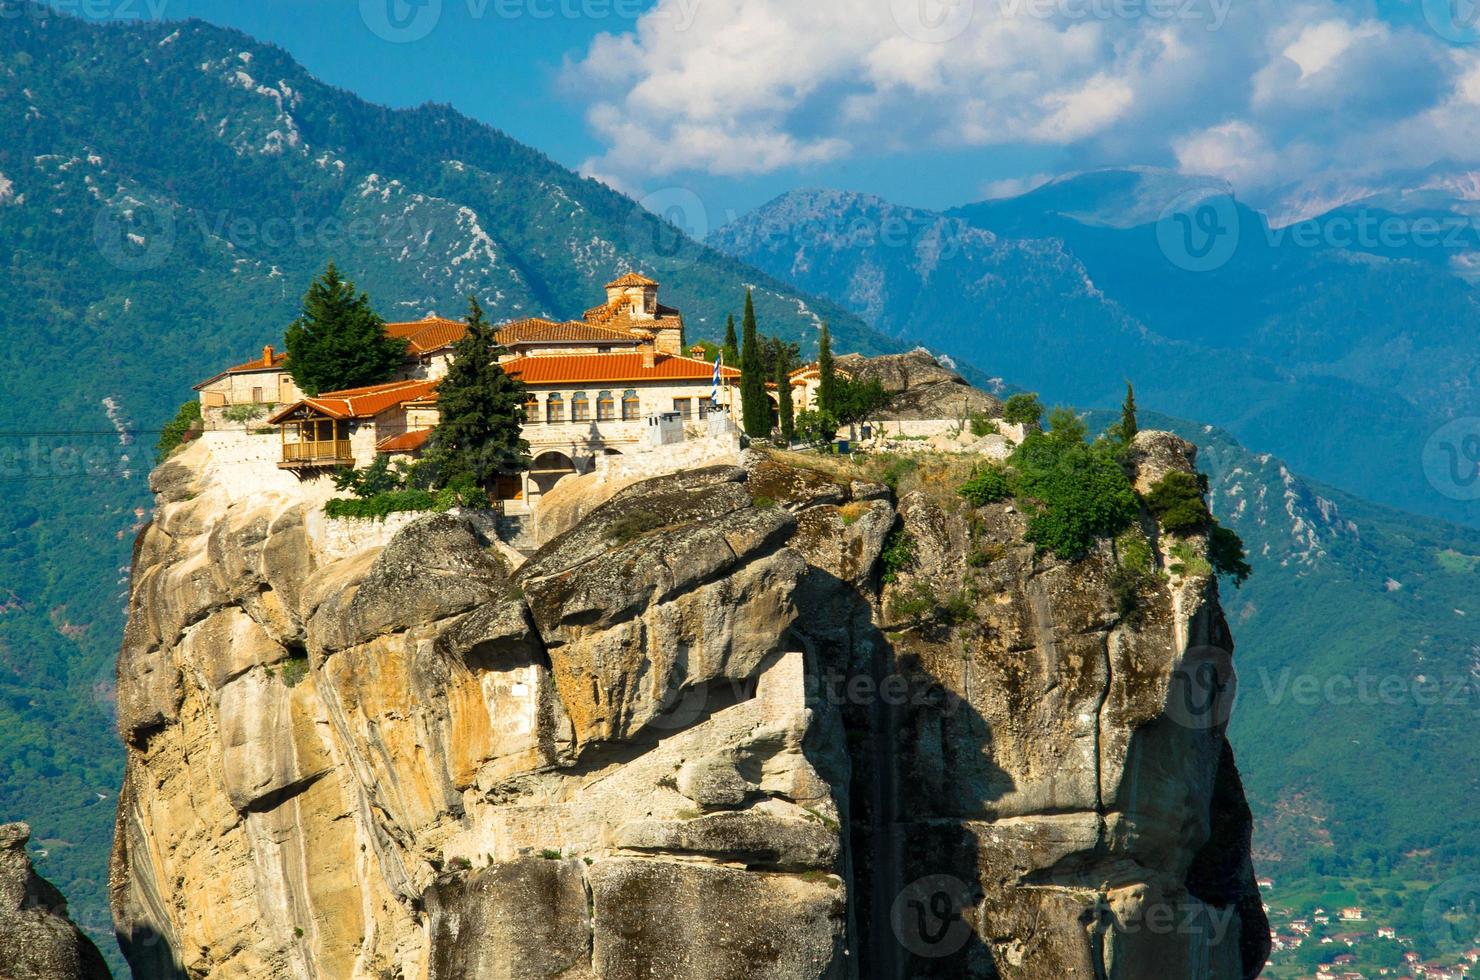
(649, 355)
(267, 356)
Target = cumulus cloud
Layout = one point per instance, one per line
(1262, 92)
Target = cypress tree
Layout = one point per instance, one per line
(755, 406)
(784, 412)
(1128, 425)
(827, 376)
(339, 341)
(479, 435)
(731, 346)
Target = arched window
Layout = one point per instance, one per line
(554, 408)
(606, 409)
(631, 407)
(580, 407)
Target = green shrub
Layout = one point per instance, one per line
(294, 670)
(1186, 560)
(1177, 502)
(895, 469)
(982, 424)
(959, 608)
(898, 554)
(1134, 574)
(1135, 551)
(244, 413)
(988, 485)
(550, 855)
(630, 527)
(1023, 409)
(1226, 555)
(178, 430)
(914, 602)
(1075, 493)
(391, 502)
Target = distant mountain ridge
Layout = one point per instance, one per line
(1070, 285)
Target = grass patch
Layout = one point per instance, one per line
(630, 527)
(550, 855)
(1457, 561)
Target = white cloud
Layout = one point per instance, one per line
(1262, 92)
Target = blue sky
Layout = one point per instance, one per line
(927, 102)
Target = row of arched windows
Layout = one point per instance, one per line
(555, 409)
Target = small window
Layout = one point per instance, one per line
(532, 408)
(257, 396)
(684, 407)
(580, 407)
(555, 408)
(631, 405)
(606, 408)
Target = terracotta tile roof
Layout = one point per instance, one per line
(274, 362)
(613, 368)
(536, 330)
(406, 442)
(360, 403)
(430, 334)
(630, 279)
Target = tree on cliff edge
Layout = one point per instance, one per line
(827, 374)
(339, 341)
(755, 405)
(478, 437)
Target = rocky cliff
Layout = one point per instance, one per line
(37, 939)
(695, 735)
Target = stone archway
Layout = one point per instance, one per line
(549, 469)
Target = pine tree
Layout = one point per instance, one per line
(1128, 425)
(482, 412)
(784, 411)
(731, 346)
(755, 405)
(827, 376)
(339, 341)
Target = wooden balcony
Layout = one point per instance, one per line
(308, 455)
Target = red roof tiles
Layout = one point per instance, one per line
(594, 368)
(536, 330)
(425, 336)
(360, 403)
(406, 442)
(630, 279)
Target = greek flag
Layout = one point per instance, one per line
(714, 391)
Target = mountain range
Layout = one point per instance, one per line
(1359, 325)
(167, 191)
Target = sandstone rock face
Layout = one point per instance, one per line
(37, 940)
(921, 387)
(693, 736)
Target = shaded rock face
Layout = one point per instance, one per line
(692, 736)
(37, 939)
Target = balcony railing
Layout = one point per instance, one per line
(330, 452)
